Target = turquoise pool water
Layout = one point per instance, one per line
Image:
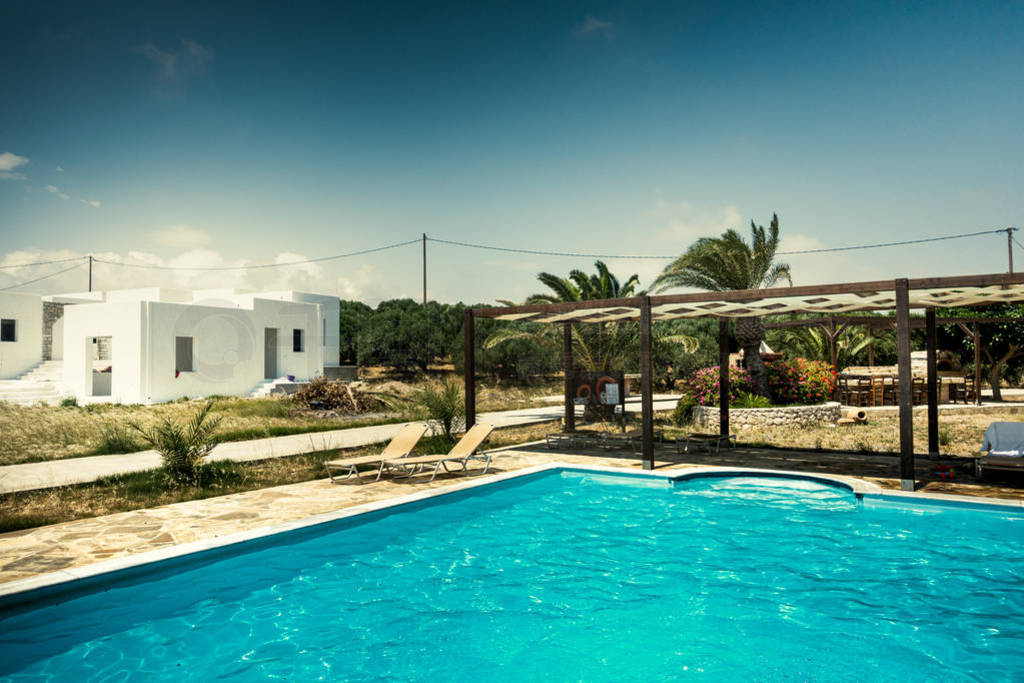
(569, 576)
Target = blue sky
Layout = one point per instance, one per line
(199, 135)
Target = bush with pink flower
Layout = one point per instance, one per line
(705, 390)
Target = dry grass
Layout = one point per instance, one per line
(35, 433)
(151, 489)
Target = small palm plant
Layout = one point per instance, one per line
(443, 406)
(183, 446)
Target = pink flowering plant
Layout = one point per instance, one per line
(800, 381)
(704, 387)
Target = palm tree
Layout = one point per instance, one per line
(598, 347)
(812, 343)
(582, 287)
(723, 263)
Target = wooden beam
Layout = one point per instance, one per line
(646, 385)
(570, 407)
(723, 376)
(977, 365)
(469, 369)
(931, 346)
(903, 362)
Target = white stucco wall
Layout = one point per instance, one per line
(122, 322)
(227, 329)
(26, 352)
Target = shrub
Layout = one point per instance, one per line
(705, 390)
(116, 437)
(683, 414)
(800, 381)
(443, 406)
(749, 400)
(69, 402)
(183, 447)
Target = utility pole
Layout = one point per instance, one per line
(90, 272)
(1009, 247)
(425, 270)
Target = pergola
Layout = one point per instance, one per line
(900, 295)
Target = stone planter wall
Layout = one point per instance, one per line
(706, 417)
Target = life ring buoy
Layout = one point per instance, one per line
(580, 390)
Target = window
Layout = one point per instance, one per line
(183, 354)
(298, 343)
(7, 330)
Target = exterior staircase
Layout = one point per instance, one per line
(43, 383)
(267, 387)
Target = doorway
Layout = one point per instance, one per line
(270, 353)
(99, 352)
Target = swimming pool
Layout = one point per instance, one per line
(567, 574)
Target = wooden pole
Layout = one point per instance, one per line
(723, 376)
(424, 270)
(90, 272)
(903, 363)
(931, 345)
(977, 364)
(646, 384)
(470, 367)
(1009, 247)
(570, 407)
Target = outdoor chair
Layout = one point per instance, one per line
(468, 448)
(858, 392)
(401, 445)
(704, 442)
(918, 391)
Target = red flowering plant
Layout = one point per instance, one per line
(800, 381)
(704, 387)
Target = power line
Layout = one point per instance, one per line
(893, 244)
(44, 263)
(539, 252)
(260, 265)
(44, 277)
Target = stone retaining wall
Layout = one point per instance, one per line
(706, 417)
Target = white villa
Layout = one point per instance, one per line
(154, 344)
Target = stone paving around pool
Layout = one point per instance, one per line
(28, 553)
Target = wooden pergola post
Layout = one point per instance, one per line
(904, 375)
(871, 347)
(570, 407)
(646, 385)
(723, 376)
(469, 369)
(977, 364)
(931, 346)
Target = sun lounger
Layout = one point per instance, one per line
(465, 450)
(704, 442)
(400, 447)
(1004, 445)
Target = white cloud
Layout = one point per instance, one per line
(682, 221)
(182, 236)
(592, 26)
(90, 202)
(175, 66)
(362, 282)
(56, 190)
(8, 162)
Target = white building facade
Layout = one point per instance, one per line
(21, 333)
(153, 345)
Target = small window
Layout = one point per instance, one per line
(7, 330)
(183, 354)
(298, 343)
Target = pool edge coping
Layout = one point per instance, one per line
(53, 581)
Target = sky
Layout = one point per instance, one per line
(190, 135)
